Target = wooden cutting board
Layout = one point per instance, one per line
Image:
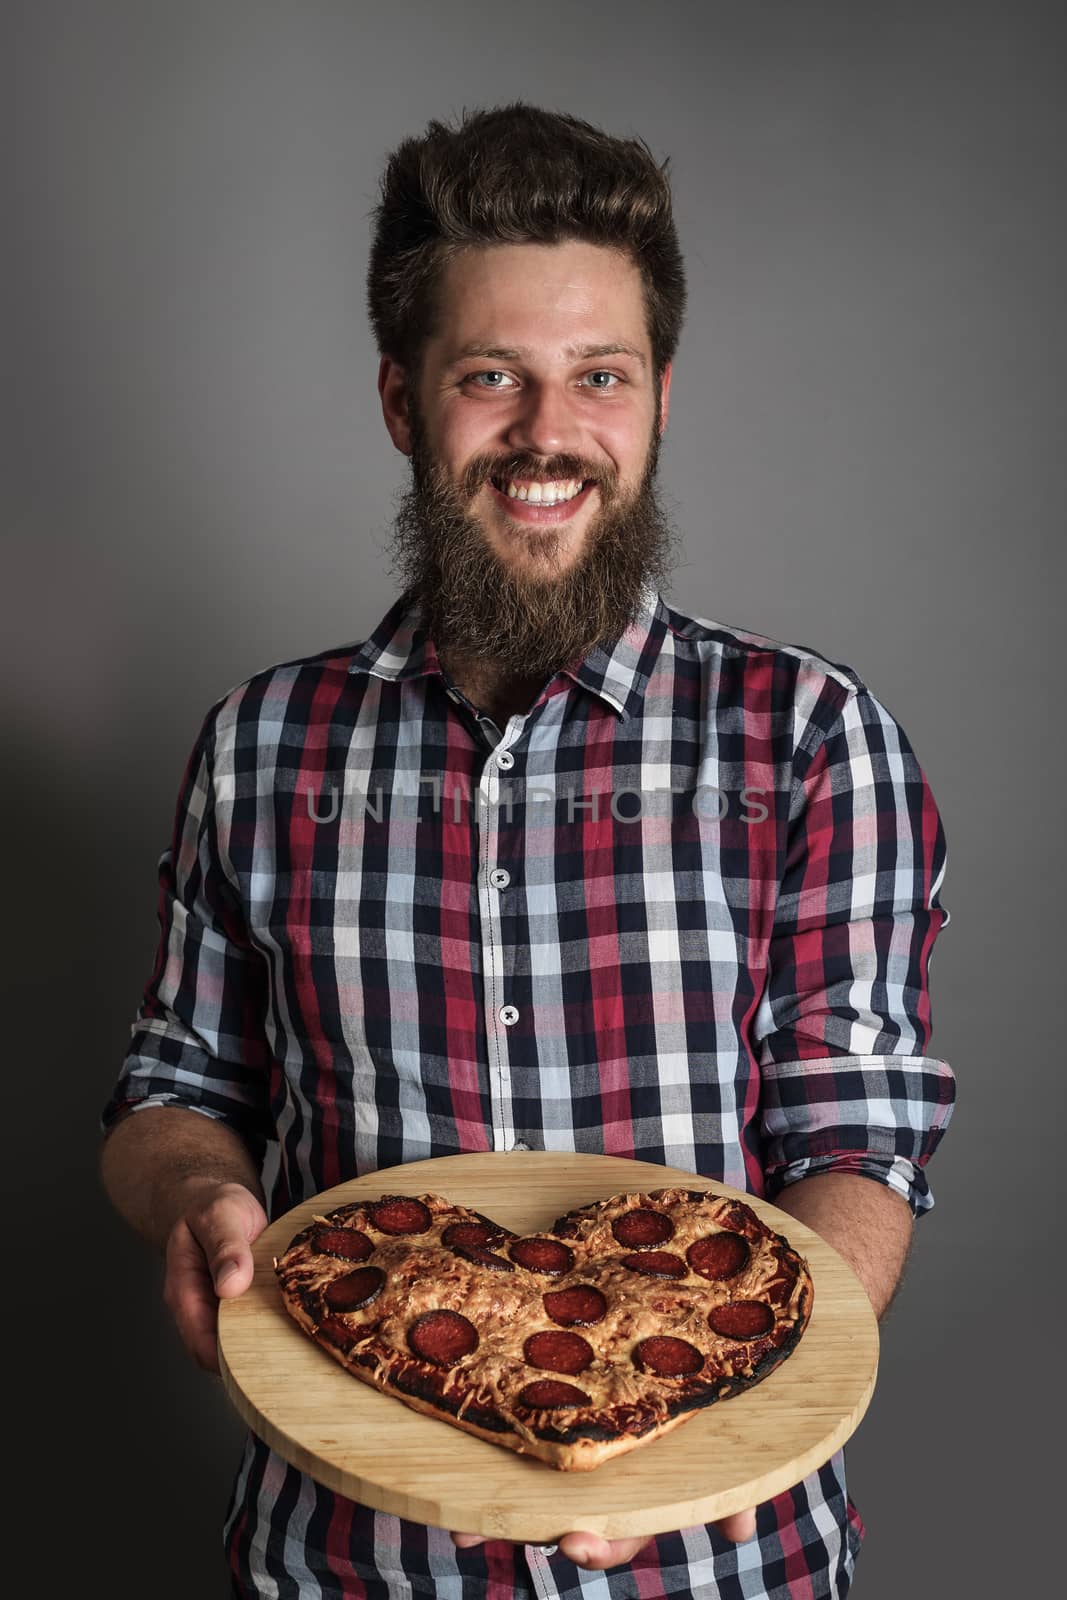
(372, 1448)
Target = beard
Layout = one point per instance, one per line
(485, 614)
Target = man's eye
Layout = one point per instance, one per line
(475, 376)
(600, 381)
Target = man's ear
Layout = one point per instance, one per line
(393, 390)
(665, 396)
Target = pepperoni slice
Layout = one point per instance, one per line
(354, 1289)
(558, 1352)
(443, 1337)
(718, 1255)
(484, 1258)
(542, 1255)
(348, 1244)
(657, 1264)
(548, 1393)
(741, 1319)
(398, 1213)
(642, 1229)
(667, 1357)
(577, 1307)
(566, 1228)
(475, 1235)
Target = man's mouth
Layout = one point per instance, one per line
(540, 502)
(540, 492)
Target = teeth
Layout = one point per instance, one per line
(544, 494)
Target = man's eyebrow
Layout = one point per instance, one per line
(573, 352)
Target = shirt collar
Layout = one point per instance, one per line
(618, 673)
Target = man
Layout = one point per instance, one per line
(542, 863)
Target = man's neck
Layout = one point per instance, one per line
(494, 693)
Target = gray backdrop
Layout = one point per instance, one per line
(864, 455)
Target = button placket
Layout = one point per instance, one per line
(500, 1016)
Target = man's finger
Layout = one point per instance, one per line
(224, 1231)
(190, 1296)
(597, 1555)
(233, 1273)
(738, 1527)
(209, 1256)
(584, 1549)
(588, 1550)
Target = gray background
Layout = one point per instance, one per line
(864, 455)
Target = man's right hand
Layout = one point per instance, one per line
(208, 1258)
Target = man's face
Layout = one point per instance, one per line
(537, 387)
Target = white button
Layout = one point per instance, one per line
(499, 878)
(508, 1015)
(505, 759)
(548, 1549)
(520, 1144)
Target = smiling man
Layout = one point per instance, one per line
(518, 960)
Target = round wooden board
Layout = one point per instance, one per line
(372, 1448)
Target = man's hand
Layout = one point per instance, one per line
(208, 1257)
(597, 1555)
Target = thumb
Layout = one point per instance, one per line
(233, 1273)
(224, 1229)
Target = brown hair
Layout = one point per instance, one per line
(517, 175)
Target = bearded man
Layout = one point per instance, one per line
(738, 990)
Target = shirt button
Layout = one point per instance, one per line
(548, 1549)
(508, 1015)
(499, 878)
(505, 759)
(520, 1144)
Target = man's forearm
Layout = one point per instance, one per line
(866, 1222)
(153, 1162)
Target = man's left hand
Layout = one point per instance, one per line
(597, 1555)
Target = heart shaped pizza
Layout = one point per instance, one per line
(573, 1345)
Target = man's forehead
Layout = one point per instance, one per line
(515, 302)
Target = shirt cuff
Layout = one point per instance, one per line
(899, 1174)
(878, 1116)
(120, 1107)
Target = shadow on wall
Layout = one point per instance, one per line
(135, 1444)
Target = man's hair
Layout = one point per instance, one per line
(516, 174)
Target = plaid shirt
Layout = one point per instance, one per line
(682, 911)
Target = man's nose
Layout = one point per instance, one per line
(545, 422)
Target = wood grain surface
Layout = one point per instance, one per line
(370, 1447)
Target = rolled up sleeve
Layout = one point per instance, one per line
(198, 1038)
(844, 1024)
